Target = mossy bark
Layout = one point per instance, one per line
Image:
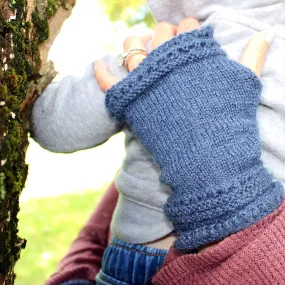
(27, 30)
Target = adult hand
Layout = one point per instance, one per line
(253, 56)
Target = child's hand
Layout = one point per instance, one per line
(253, 56)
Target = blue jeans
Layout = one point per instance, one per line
(125, 264)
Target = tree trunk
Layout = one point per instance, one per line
(27, 30)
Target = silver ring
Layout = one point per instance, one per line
(123, 57)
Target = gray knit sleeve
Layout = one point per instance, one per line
(70, 115)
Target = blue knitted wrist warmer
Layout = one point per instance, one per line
(195, 111)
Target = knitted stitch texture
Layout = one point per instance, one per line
(195, 112)
(254, 256)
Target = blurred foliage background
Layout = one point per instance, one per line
(131, 11)
(49, 225)
(62, 190)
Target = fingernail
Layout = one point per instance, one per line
(270, 35)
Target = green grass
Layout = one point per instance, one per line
(50, 225)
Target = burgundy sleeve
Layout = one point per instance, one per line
(83, 260)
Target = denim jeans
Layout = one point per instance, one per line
(125, 264)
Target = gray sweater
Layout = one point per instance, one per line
(70, 115)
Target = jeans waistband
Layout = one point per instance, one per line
(131, 263)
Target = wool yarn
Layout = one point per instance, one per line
(195, 111)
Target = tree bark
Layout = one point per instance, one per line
(27, 31)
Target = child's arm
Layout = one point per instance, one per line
(70, 115)
(83, 260)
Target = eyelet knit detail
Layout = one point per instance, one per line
(185, 48)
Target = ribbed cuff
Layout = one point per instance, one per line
(238, 205)
(185, 48)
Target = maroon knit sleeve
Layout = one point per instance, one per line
(83, 260)
(252, 256)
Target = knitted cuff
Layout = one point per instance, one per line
(224, 210)
(185, 48)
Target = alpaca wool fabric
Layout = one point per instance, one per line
(195, 111)
(254, 256)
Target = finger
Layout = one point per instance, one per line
(255, 52)
(105, 79)
(136, 58)
(136, 42)
(163, 32)
(188, 25)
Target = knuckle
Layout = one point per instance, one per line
(130, 40)
(188, 22)
(184, 22)
(164, 25)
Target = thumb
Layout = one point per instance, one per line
(255, 52)
(104, 77)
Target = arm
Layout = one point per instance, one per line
(83, 260)
(70, 115)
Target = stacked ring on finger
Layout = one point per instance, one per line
(123, 58)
